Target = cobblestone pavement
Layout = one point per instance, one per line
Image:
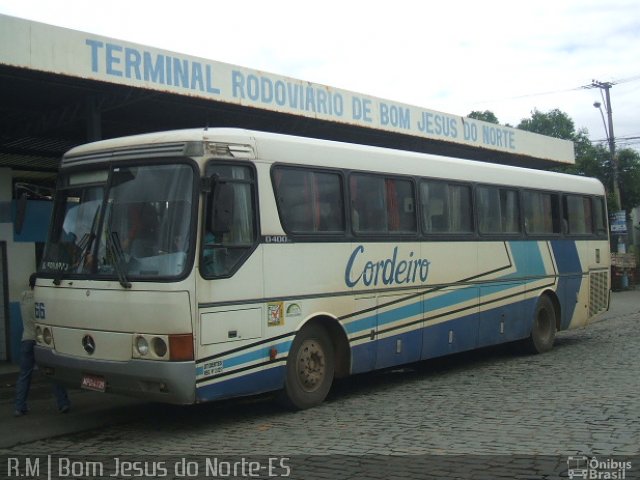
(582, 398)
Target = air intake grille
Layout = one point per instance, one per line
(598, 292)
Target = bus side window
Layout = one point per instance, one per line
(434, 207)
(578, 214)
(599, 216)
(229, 232)
(542, 213)
(309, 201)
(221, 209)
(489, 210)
(369, 211)
(400, 205)
(446, 207)
(382, 205)
(498, 210)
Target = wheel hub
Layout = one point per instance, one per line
(311, 365)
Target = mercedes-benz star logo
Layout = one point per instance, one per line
(89, 344)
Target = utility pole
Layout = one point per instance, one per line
(606, 86)
(621, 215)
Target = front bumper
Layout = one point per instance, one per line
(167, 382)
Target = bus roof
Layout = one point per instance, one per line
(272, 147)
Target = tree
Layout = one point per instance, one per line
(553, 124)
(558, 124)
(486, 116)
(629, 177)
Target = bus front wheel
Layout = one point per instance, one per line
(543, 331)
(310, 369)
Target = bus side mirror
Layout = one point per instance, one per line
(221, 208)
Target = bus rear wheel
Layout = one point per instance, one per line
(543, 331)
(310, 369)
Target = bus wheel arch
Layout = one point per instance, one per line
(545, 324)
(318, 354)
(556, 306)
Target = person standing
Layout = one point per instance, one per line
(27, 359)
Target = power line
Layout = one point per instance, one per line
(619, 141)
(597, 84)
(629, 137)
(629, 79)
(564, 90)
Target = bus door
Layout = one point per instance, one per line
(230, 265)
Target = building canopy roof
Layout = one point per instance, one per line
(60, 88)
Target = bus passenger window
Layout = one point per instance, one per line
(498, 210)
(368, 210)
(577, 211)
(382, 205)
(541, 213)
(309, 201)
(600, 222)
(489, 210)
(509, 211)
(446, 208)
(433, 197)
(400, 206)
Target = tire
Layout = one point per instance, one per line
(310, 369)
(543, 331)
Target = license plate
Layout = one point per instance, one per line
(93, 382)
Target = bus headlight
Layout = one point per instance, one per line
(153, 346)
(46, 336)
(142, 346)
(159, 346)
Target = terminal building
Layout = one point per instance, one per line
(60, 88)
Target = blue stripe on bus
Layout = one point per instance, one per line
(527, 260)
(570, 277)
(261, 354)
(256, 355)
(250, 384)
(566, 255)
(450, 299)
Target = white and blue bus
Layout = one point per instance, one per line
(197, 265)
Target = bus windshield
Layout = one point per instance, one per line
(131, 222)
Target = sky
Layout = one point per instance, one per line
(509, 57)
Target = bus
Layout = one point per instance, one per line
(203, 264)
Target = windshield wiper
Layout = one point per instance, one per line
(114, 245)
(85, 247)
(87, 240)
(82, 246)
